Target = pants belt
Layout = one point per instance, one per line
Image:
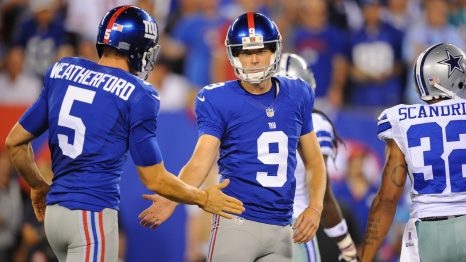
(439, 218)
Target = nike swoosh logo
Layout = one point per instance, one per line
(201, 98)
(156, 97)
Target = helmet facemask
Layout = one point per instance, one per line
(266, 72)
(148, 62)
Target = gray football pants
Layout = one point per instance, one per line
(244, 240)
(79, 235)
(443, 240)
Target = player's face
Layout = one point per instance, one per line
(255, 58)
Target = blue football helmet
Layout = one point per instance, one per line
(293, 65)
(440, 72)
(253, 31)
(134, 33)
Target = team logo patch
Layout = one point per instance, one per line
(270, 112)
(453, 62)
(150, 30)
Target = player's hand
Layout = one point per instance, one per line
(306, 226)
(160, 210)
(221, 204)
(38, 201)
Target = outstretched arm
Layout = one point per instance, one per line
(308, 221)
(18, 145)
(198, 167)
(383, 207)
(193, 173)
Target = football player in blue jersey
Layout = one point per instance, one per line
(257, 122)
(94, 113)
(292, 65)
(426, 142)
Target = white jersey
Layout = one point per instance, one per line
(324, 132)
(433, 141)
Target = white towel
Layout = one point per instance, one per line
(409, 248)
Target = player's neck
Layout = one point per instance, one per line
(257, 89)
(113, 61)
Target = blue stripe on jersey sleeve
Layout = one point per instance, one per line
(323, 134)
(383, 127)
(383, 117)
(326, 144)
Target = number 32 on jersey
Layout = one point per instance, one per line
(441, 157)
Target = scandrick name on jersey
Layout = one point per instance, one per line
(412, 112)
(112, 84)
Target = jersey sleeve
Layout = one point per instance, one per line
(143, 144)
(143, 125)
(306, 109)
(325, 135)
(36, 119)
(209, 118)
(384, 127)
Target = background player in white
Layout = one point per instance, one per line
(94, 112)
(335, 227)
(428, 143)
(257, 123)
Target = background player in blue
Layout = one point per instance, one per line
(94, 112)
(428, 143)
(294, 66)
(258, 123)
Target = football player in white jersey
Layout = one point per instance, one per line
(294, 66)
(426, 142)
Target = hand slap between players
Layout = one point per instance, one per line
(158, 212)
(216, 203)
(221, 204)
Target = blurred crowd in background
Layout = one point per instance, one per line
(361, 53)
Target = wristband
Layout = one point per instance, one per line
(339, 229)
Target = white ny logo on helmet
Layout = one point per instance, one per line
(150, 30)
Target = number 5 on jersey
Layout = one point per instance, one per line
(73, 93)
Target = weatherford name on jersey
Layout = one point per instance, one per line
(424, 111)
(433, 141)
(258, 143)
(89, 127)
(110, 83)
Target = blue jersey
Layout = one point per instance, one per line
(258, 143)
(94, 114)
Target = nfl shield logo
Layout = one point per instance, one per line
(270, 112)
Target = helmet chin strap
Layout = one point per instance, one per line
(449, 93)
